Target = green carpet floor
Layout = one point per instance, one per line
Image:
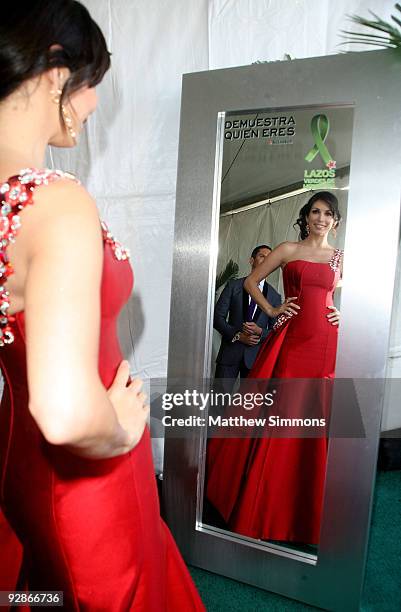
(382, 592)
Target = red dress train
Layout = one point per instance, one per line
(89, 528)
(272, 488)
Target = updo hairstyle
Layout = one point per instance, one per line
(38, 35)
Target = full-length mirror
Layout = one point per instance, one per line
(279, 234)
(284, 179)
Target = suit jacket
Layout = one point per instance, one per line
(234, 301)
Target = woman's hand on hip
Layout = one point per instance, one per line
(287, 307)
(129, 402)
(334, 316)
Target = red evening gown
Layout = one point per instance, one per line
(88, 527)
(272, 488)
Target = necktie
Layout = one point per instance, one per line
(251, 309)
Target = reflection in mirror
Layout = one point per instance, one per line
(284, 182)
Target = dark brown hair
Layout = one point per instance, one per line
(257, 249)
(28, 28)
(325, 196)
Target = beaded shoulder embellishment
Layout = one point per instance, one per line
(120, 252)
(16, 194)
(334, 264)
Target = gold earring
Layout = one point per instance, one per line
(68, 122)
(307, 229)
(56, 95)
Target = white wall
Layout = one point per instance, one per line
(128, 156)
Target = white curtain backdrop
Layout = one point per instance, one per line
(127, 157)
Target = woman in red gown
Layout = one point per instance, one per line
(272, 488)
(77, 486)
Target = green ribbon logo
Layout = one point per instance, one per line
(320, 127)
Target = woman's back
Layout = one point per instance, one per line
(90, 528)
(77, 481)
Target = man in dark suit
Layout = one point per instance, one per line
(247, 325)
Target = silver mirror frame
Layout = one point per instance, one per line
(371, 81)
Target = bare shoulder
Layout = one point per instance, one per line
(286, 249)
(62, 210)
(63, 202)
(64, 196)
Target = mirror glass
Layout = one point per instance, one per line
(266, 489)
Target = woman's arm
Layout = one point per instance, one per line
(278, 257)
(62, 315)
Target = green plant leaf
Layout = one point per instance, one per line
(365, 34)
(392, 34)
(229, 272)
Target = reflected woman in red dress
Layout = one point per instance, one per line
(272, 488)
(77, 488)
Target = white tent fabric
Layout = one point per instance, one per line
(246, 31)
(128, 154)
(127, 157)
